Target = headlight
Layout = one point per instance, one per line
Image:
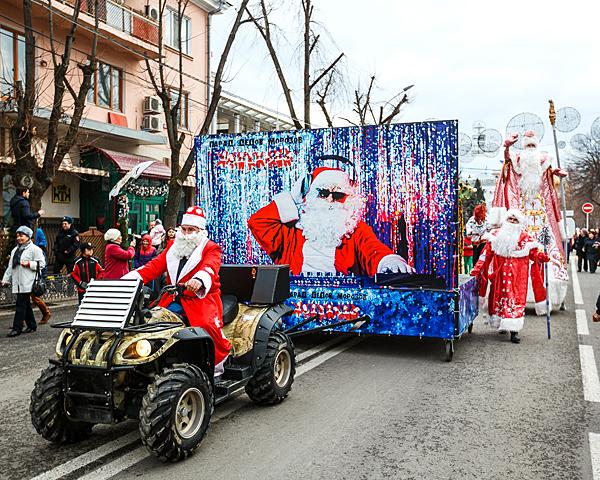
(139, 349)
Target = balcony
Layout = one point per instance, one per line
(121, 27)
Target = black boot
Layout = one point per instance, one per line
(514, 338)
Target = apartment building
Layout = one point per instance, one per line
(122, 124)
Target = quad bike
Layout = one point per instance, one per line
(120, 359)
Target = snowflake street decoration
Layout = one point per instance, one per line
(146, 191)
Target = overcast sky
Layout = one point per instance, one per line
(469, 60)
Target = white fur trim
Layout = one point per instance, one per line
(328, 178)
(288, 212)
(511, 324)
(394, 263)
(133, 275)
(525, 250)
(194, 220)
(496, 215)
(206, 279)
(540, 308)
(173, 261)
(483, 306)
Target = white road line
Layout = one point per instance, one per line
(582, 323)
(594, 439)
(319, 348)
(135, 456)
(589, 374)
(576, 288)
(89, 457)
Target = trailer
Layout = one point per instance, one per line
(406, 177)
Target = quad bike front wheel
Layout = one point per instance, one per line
(176, 412)
(273, 380)
(47, 409)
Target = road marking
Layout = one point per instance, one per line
(594, 439)
(319, 348)
(589, 374)
(576, 288)
(141, 453)
(582, 324)
(89, 457)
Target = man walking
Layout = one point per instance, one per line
(65, 246)
(20, 210)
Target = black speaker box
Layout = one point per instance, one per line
(260, 284)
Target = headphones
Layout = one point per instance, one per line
(339, 159)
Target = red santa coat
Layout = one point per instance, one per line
(274, 228)
(509, 279)
(204, 308)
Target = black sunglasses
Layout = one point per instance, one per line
(337, 196)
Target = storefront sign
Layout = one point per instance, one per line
(61, 194)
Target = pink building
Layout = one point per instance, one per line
(122, 123)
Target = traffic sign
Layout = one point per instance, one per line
(587, 208)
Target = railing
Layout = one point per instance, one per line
(125, 19)
(59, 288)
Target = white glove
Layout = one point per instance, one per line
(394, 264)
(133, 275)
(296, 190)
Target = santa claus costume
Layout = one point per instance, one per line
(505, 263)
(320, 230)
(527, 183)
(193, 257)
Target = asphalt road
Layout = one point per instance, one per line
(367, 408)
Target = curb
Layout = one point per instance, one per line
(10, 312)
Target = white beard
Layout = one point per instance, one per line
(326, 224)
(506, 241)
(531, 171)
(184, 245)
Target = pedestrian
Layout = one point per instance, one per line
(591, 247)
(477, 227)
(65, 246)
(87, 268)
(157, 232)
(581, 257)
(116, 259)
(40, 241)
(468, 254)
(25, 259)
(20, 210)
(596, 315)
(171, 233)
(508, 254)
(145, 253)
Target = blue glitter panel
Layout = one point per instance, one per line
(406, 172)
(468, 303)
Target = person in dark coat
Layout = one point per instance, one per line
(581, 258)
(65, 246)
(20, 210)
(591, 247)
(596, 315)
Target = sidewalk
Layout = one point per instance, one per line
(8, 312)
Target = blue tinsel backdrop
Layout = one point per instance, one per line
(404, 170)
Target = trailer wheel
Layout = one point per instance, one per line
(449, 349)
(47, 409)
(273, 380)
(176, 412)
(470, 328)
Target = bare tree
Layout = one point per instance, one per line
(584, 176)
(23, 130)
(312, 75)
(365, 106)
(160, 81)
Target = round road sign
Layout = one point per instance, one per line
(587, 208)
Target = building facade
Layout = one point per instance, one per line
(122, 123)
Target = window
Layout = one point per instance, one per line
(183, 114)
(12, 61)
(107, 87)
(171, 28)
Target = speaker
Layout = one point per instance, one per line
(259, 284)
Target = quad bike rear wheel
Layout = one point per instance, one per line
(273, 380)
(176, 412)
(47, 409)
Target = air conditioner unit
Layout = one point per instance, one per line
(152, 123)
(152, 12)
(151, 104)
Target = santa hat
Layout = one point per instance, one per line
(328, 176)
(530, 139)
(513, 212)
(195, 217)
